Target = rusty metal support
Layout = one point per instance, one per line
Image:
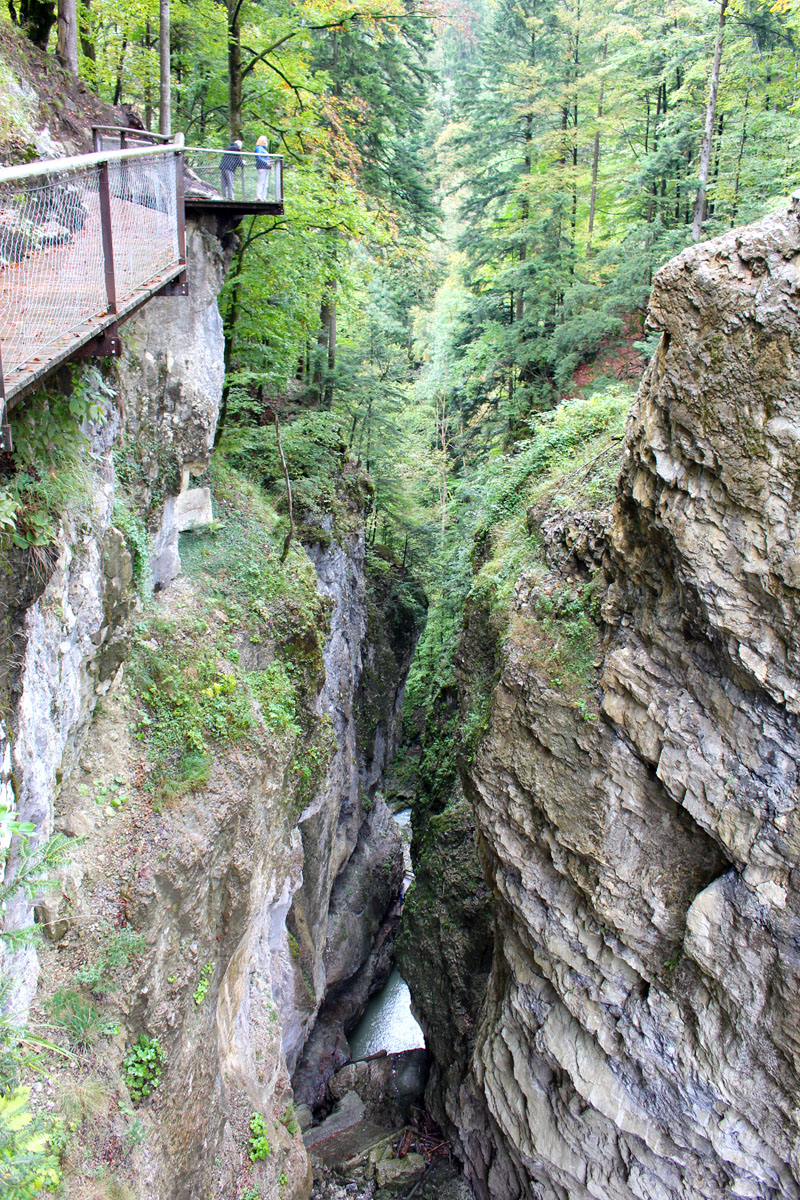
(107, 344)
(6, 441)
(180, 206)
(108, 244)
(179, 286)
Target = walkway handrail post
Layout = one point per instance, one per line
(181, 206)
(108, 245)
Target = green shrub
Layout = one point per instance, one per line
(51, 459)
(132, 527)
(275, 691)
(258, 1145)
(142, 1067)
(105, 973)
(289, 1120)
(80, 1017)
(203, 984)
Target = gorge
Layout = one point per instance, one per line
(241, 649)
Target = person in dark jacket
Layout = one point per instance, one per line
(230, 163)
(263, 167)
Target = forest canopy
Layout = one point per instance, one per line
(478, 193)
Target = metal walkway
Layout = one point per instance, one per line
(85, 241)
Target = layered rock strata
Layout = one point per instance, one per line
(639, 1033)
(344, 915)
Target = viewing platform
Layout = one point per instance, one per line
(252, 191)
(85, 241)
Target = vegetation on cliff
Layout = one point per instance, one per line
(445, 324)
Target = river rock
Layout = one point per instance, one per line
(396, 1173)
(389, 1085)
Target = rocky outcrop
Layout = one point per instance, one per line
(63, 610)
(170, 386)
(344, 915)
(640, 835)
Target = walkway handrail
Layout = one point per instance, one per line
(79, 162)
(123, 132)
(84, 241)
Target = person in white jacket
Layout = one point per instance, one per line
(263, 167)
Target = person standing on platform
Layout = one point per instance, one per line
(263, 167)
(229, 165)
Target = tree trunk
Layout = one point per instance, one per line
(708, 132)
(37, 18)
(120, 65)
(525, 208)
(596, 156)
(164, 105)
(326, 341)
(234, 70)
(735, 206)
(85, 34)
(229, 332)
(67, 44)
(148, 87)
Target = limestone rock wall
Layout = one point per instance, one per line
(639, 1032)
(344, 913)
(63, 611)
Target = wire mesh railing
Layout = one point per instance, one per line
(80, 240)
(119, 137)
(237, 176)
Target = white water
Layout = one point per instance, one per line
(388, 1023)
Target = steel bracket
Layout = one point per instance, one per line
(179, 286)
(107, 344)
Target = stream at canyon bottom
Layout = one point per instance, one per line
(388, 1023)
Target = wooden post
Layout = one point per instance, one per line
(108, 243)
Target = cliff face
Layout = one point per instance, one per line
(176, 900)
(638, 1035)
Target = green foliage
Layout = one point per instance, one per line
(276, 693)
(82, 1019)
(311, 758)
(142, 1067)
(289, 1120)
(132, 527)
(257, 1144)
(568, 459)
(562, 633)
(119, 949)
(26, 1163)
(240, 561)
(191, 700)
(51, 460)
(203, 984)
